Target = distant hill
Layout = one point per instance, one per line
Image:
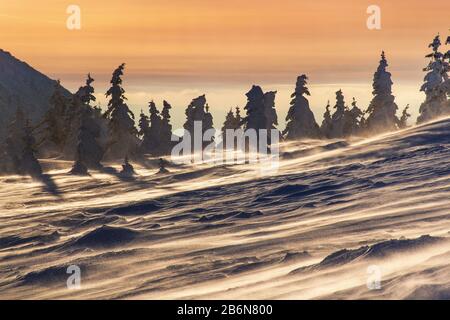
(21, 85)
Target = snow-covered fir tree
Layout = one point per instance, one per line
(157, 130)
(14, 143)
(382, 109)
(403, 121)
(144, 124)
(28, 161)
(261, 112)
(270, 111)
(446, 71)
(86, 93)
(229, 124)
(151, 142)
(80, 101)
(208, 119)
(196, 111)
(325, 128)
(337, 128)
(255, 108)
(122, 132)
(353, 118)
(232, 122)
(165, 134)
(54, 133)
(300, 120)
(436, 85)
(238, 118)
(89, 152)
(271, 114)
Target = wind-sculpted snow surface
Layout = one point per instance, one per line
(333, 212)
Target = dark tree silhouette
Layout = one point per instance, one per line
(403, 121)
(196, 112)
(54, 121)
(29, 163)
(144, 124)
(256, 116)
(337, 129)
(122, 132)
(89, 152)
(353, 120)
(151, 142)
(166, 129)
(300, 120)
(15, 143)
(229, 124)
(327, 122)
(80, 103)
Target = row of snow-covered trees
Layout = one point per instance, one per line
(436, 83)
(75, 127)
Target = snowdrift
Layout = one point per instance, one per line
(309, 231)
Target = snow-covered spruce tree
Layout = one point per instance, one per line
(255, 108)
(86, 93)
(166, 129)
(28, 162)
(382, 109)
(271, 114)
(238, 118)
(208, 123)
(325, 128)
(261, 112)
(447, 70)
(229, 124)
(196, 112)
(144, 124)
(80, 101)
(353, 120)
(122, 132)
(54, 131)
(403, 121)
(435, 85)
(14, 143)
(232, 122)
(152, 141)
(337, 128)
(270, 111)
(301, 123)
(89, 152)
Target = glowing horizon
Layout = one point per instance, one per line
(179, 48)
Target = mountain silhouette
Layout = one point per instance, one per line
(22, 85)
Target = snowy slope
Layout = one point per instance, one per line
(308, 232)
(21, 85)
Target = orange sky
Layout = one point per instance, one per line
(190, 44)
